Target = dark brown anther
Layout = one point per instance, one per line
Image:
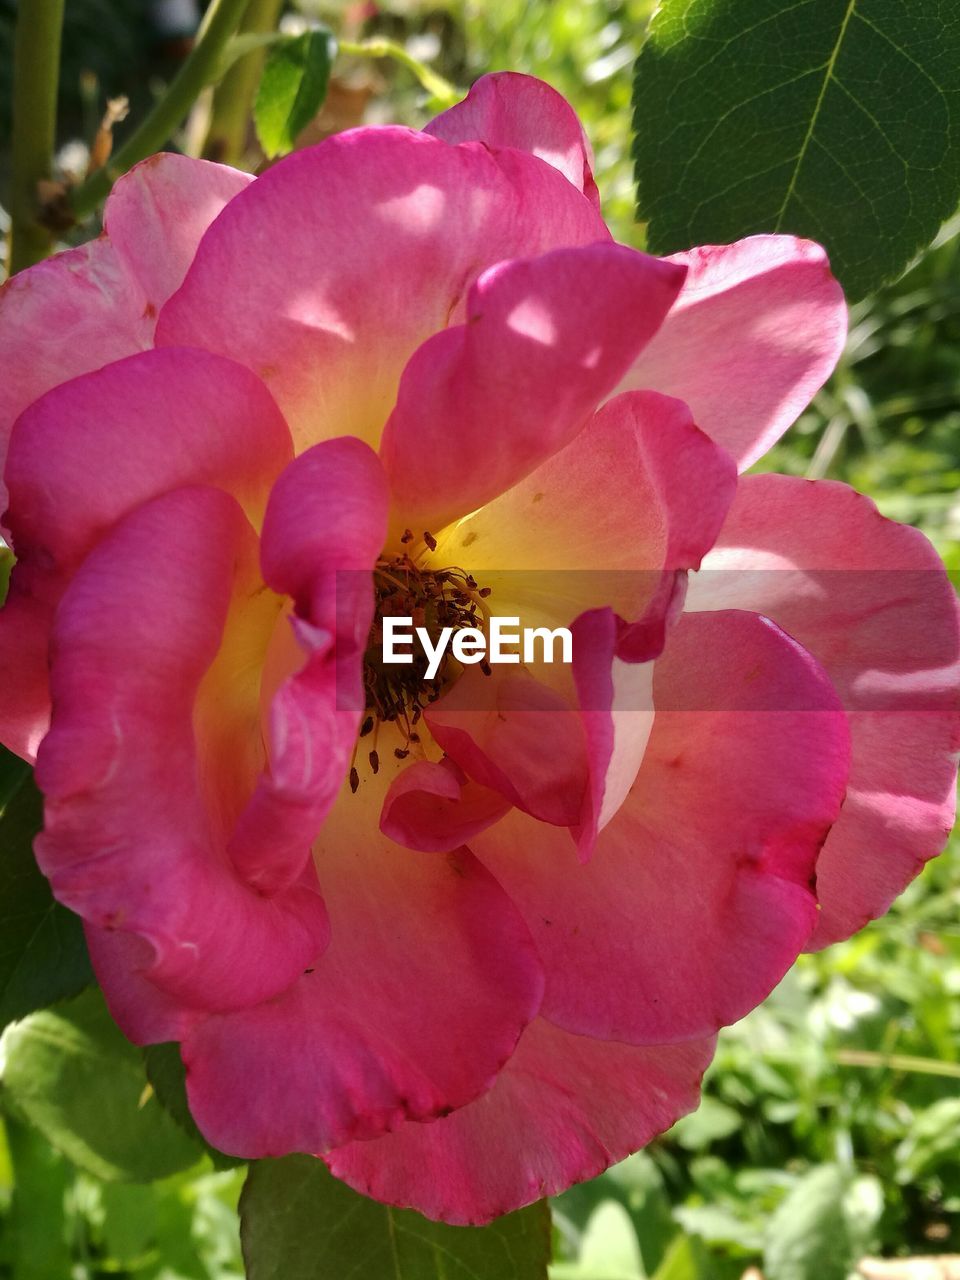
(414, 737)
(485, 668)
(433, 598)
(484, 592)
(430, 540)
(354, 781)
(406, 537)
(401, 752)
(374, 762)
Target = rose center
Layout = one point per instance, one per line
(433, 599)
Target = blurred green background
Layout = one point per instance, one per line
(830, 1129)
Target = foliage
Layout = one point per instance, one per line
(298, 1220)
(43, 956)
(830, 1125)
(831, 1121)
(833, 120)
(292, 89)
(73, 1075)
(888, 420)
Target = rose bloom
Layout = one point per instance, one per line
(467, 940)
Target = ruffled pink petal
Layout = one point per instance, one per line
(421, 997)
(757, 330)
(609, 524)
(563, 1109)
(96, 447)
(683, 486)
(639, 490)
(870, 600)
(375, 236)
(323, 530)
(101, 300)
(157, 214)
(517, 736)
(436, 808)
(507, 109)
(24, 689)
(698, 897)
(86, 299)
(482, 404)
(127, 841)
(144, 1012)
(615, 698)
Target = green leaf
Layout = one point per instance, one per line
(166, 1073)
(712, 1121)
(292, 89)
(299, 1223)
(838, 120)
(610, 1249)
(43, 955)
(38, 1221)
(75, 1077)
(175, 1239)
(808, 1237)
(689, 1259)
(933, 1139)
(129, 1220)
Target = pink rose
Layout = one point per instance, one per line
(489, 959)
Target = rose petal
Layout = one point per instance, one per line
(545, 339)
(94, 448)
(128, 843)
(869, 598)
(435, 807)
(331, 314)
(323, 530)
(698, 897)
(420, 998)
(144, 1012)
(611, 522)
(515, 735)
(157, 214)
(507, 109)
(757, 330)
(563, 1109)
(83, 308)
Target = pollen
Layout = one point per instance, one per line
(434, 598)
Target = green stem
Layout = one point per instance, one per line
(442, 90)
(221, 21)
(897, 1062)
(233, 97)
(36, 69)
(873, 1059)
